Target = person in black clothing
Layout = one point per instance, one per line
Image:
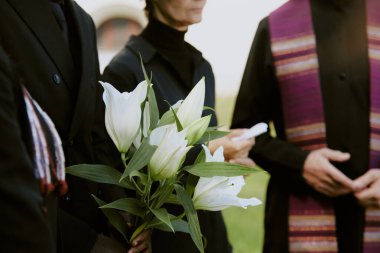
(340, 30)
(54, 46)
(25, 192)
(176, 67)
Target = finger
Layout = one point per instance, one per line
(325, 189)
(366, 195)
(335, 155)
(237, 132)
(335, 189)
(364, 181)
(140, 248)
(148, 250)
(141, 242)
(368, 203)
(140, 238)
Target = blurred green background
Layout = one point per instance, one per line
(245, 226)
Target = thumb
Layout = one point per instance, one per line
(335, 155)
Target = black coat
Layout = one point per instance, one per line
(125, 72)
(23, 226)
(344, 80)
(64, 83)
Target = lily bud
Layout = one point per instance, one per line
(123, 114)
(192, 107)
(170, 154)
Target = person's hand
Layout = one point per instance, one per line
(320, 174)
(232, 149)
(142, 243)
(368, 188)
(245, 161)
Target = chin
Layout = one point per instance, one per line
(195, 19)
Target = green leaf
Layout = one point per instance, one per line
(143, 177)
(144, 71)
(178, 123)
(129, 205)
(153, 109)
(192, 217)
(98, 173)
(163, 194)
(210, 135)
(211, 169)
(141, 158)
(208, 108)
(167, 119)
(196, 129)
(163, 216)
(201, 158)
(179, 225)
(172, 200)
(191, 182)
(114, 218)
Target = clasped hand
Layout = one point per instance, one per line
(325, 178)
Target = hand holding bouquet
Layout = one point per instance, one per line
(153, 151)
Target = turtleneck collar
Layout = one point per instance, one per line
(62, 2)
(163, 36)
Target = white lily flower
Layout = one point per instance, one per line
(170, 154)
(177, 105)
(218, 193)
(192, 107)
(123, 114)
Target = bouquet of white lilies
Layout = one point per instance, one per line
(153, 151)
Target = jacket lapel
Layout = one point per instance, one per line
(38, 17)
(88, 76)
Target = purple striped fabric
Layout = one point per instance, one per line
(372, 227)
(311, 219)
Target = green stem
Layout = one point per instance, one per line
(124, 159)
(140, 191)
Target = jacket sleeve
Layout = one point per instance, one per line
(259, 100)
(23, 226)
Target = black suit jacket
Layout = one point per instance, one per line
(23, 227)
(69, 93)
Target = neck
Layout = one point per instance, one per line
(163, 36)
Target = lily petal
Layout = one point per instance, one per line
(192, 107)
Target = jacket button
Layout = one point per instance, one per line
(343, 76)
(67, 198)
(56, 79)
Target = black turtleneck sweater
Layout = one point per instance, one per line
(340, 29)
(171, 45)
